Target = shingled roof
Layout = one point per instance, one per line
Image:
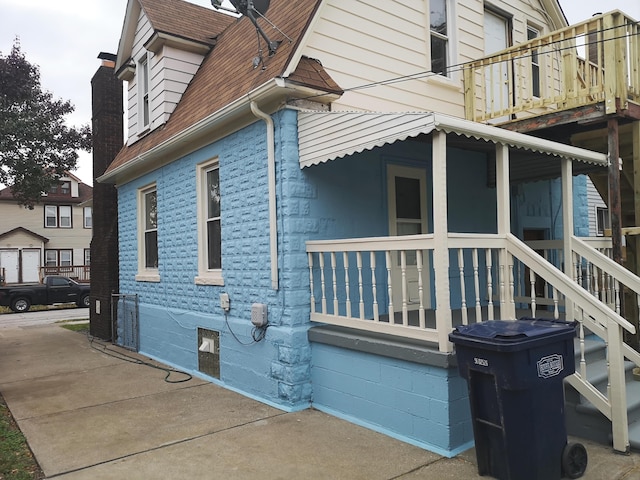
(227, 73)
(186, 20)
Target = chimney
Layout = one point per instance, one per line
(108, 139)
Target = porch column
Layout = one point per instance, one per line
(503, 199)
(567, 227)
(441, 240)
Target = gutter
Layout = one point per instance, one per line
(271, 164)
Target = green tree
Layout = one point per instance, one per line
(36, 146)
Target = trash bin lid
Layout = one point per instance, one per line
(511, 332)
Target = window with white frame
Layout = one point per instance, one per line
(58, 258)
(148, 234)
(532, 33)
(439, 36)
(87, 256)
(88, 217)
(209, 224)
(57, 216)
(143, 92)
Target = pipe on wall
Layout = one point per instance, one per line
(271, 164)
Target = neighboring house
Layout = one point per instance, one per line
(325, 177)
(53, 237)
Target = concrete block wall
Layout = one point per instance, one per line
(276, 370)
(424, 405)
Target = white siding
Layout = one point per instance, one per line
(363, 42)
(170, 71)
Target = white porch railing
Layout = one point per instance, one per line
(387, 285)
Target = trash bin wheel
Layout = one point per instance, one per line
(574, 460)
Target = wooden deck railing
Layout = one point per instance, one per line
(80, 273)
(596, 61)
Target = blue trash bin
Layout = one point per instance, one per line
(514, 370)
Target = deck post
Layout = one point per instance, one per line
(503, 200)
(441, 240)
(567, 228)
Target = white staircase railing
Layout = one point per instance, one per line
(389, 285)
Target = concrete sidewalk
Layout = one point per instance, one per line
(90, 415)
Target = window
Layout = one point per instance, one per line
(535, 63)
(87, 257)
(65, 188)
(57, 216)
(602, 220)
(143, 92)
(209, 224)
(439, 39)
(88, 218)
(58, 258)
(148, 235)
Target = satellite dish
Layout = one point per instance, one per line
(248, 7)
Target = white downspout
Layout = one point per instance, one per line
(271, 164)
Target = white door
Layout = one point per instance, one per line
(9, 262)
(30, 266)
(407, 198)
(496, 38)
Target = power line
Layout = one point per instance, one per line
(534, 51)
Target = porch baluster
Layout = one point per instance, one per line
(420, 289)
(556, 313)
(532, 283)
(345, 261)
(476, 283)
(372, 258)
(503, 302)
(360, 288)
(403, 269)
(583, 361)
(322, 286)
(463, 305)
(313, 298)
(512, 288)
(616, 292)
(388, 261)
(489, 262)
(335, 283)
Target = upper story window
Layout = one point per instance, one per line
(439, 36)
(65, 188)
(57, 216)
(88, 217)
(148, 235)
(535, 62)
(209, 224)
(143, 87)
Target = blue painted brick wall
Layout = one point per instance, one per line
(171, 311)
(420, 404)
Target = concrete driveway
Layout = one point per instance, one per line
(30, 319)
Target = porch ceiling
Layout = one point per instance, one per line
(325, 136)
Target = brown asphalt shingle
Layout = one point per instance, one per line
(227, 73)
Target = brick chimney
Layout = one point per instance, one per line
(108, 139)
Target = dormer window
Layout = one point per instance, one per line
(65, 188)
(143, 86)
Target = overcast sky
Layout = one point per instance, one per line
(64, 38)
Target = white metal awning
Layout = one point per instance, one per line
(325, 136)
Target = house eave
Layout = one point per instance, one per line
(271, 96)
(160, 39)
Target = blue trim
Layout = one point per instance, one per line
(226, 386)
(390, 433)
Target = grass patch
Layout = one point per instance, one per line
(16, 460)
(76, 327)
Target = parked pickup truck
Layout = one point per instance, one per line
(53, 289)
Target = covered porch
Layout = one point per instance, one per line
(419, 286)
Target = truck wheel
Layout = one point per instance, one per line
(574, 460)
(84, 302)
(20, 304)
